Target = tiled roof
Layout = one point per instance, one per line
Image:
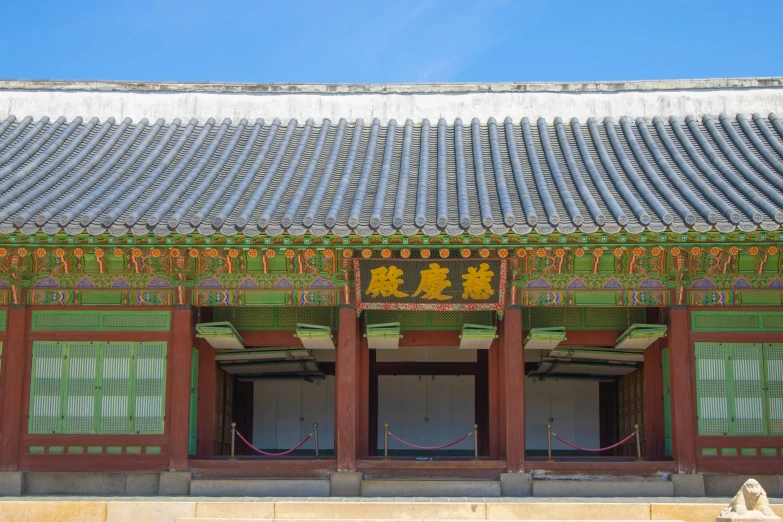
(515, 174)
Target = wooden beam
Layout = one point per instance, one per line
(513, 366)
(15, 378)
(180, 352)
(683, 390)
(430, 338)
(425, 368)
(346, 389)
(265, 338)
(591, 337)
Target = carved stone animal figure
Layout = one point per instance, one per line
(751, 497)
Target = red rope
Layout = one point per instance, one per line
(395, 437)
(243, 439)
(629, 437)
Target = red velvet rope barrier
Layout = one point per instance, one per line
(395, 437)
(629, 437)
(243, 439)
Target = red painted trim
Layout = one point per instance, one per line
(261, 338)
(430, 338)
(16, 374)
(513, 365)
(606, 465)
(683, 390)
(206, 400)
(179, 367)
(746, 465)
(591, 337)
(346, 388)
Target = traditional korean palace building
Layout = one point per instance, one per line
(457, 282)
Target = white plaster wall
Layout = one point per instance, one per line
(279, 404)
(574, 408)
(448, 401)
(399, 106)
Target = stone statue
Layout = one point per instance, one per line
(750, 503)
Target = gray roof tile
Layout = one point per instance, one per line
(721, 172)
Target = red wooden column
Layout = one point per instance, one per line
(206, 400)
(14, 381)
(363, 390)
(683, 390)
(180, 353)
(493, 377)
(347, 388)
(512, 365)
(653, 397)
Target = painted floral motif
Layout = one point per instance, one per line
(676, 251)
(618, 252)
(40, 252)
(174, 252)
(309, 253)
(733, 251)
(484, 253)
(425, 253)
(696, 251)
(559, 252)
(521, 252)
(541, 252)
(773, 250)
(405, 253)
(155, 252)
(598, 252)
(328, 254)
(656, 251)
(465, 252)
(270, 253)
(754, 250)
(366, 253)
(193, 252)
(579, 252)
(444, 253)
(22, 252)
(252, 253)
(233, 253)
(348, 253)
(3, 252)
(503, 253)
(386, 253)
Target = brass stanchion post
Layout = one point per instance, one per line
(475, 442)
(638, 442)
(315, 432)
(233, 437)
(385, 441)
(549, 443)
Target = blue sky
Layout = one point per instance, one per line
(392, 41)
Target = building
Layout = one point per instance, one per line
(175, 258)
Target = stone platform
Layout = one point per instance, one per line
(246, 509)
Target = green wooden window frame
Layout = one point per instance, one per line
(98, 320)
(97, 388)
(736, 321)
(739, 388)
(3, 319)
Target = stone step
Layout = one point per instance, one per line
(602, 488)
(259, 488)
(430, 488)
(381, 520)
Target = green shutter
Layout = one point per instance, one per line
(46, 387)
(81, 387)
(150, 401)
(748, 398)
(774, 366)
(116, 388)
(193, 402)
(711, 389)
(667, 403)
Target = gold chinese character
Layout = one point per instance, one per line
(433, 282)
(477, 283)
(385, 282)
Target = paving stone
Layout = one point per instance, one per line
(154, 510)
(688, 485)
(516, 484)
(567, 511)
(727, 485)
(142, 484)
(53, 511)
(430, 488)
(588, 488)
(11, 483)
(74, 483)
(239, 510)
(173, 483)
(260, 487)
(345, 484)
(379, 510)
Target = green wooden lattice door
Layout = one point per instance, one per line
(193, 402)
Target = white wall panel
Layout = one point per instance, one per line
(278, 406)
(573, 406)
